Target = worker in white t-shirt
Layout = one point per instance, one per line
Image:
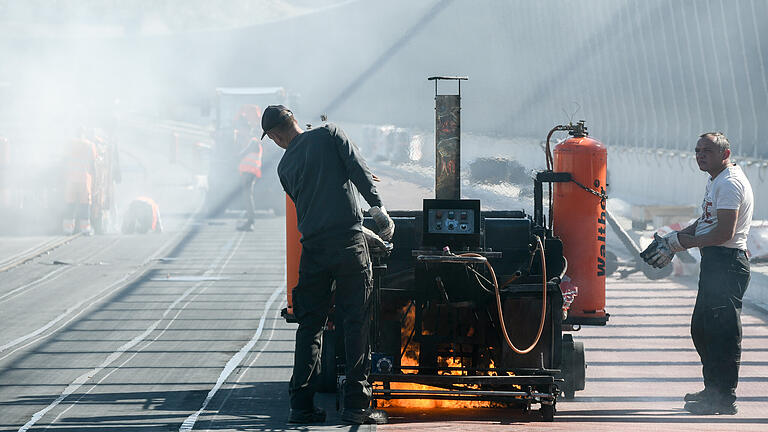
(721, 234)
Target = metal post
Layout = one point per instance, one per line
(447, 141)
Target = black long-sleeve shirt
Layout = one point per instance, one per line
(322, 171)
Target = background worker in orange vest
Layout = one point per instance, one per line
(142, 216)
(80, 169)
(249, 168)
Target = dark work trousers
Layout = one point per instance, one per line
(248, 187)
(716, 321)
(348, 264)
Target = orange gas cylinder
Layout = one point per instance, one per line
(292, 249)
(579, 221)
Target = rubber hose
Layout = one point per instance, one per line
(540, 247)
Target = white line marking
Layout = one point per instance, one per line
(35, 251)
(58, 272)
(256, 357)
(82, 379)
(79, 381)
(36, 281)
(161, 333)
(173, 242)
(53, 322)
(189, 423)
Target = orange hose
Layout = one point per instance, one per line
(540, 247)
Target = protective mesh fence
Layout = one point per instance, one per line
(654, 73)
(645, 73)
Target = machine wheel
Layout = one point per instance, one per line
(654, 273)
(547, 412)
(327, 378)
(579, 367)
(573, 367)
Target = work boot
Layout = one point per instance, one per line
(315, 415)
(711, 406)
(364, 416)
(246, 226)
(698, 396)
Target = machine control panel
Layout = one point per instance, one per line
(451, 222)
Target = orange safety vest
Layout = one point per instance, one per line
(155, 210)
(80, 167)
(251, 163)
(82, 160)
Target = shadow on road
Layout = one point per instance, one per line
(511, 416)
(263, 406)
(254, 406)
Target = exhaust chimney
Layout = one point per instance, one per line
(448, 141)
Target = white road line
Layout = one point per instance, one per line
(36, 281)
(189, 423)
(250, 364)
(82, 379)
(35, 251)
(161, 333)
(103, 293)
(21, 339)
(24, 254)
(58, 272)
(79, 381)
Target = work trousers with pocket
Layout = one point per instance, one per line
(346, 262)
(716, 320)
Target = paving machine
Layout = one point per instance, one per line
(470, 306)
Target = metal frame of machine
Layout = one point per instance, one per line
(455, 323)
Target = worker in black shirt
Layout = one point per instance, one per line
(322, 172)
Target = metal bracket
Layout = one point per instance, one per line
(454, 78)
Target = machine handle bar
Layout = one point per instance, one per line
(456, 259)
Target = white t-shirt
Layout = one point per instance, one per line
(729, 190)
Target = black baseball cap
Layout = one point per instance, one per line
(273, 116)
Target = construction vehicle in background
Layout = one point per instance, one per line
(235, 107)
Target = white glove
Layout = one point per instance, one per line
(673, 241)
(383, 221)
(659, 253)
(373, 240)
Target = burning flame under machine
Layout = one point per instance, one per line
(468, 305)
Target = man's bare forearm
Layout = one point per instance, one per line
(713, 238)
(690, 229)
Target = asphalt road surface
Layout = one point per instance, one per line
(181, 331)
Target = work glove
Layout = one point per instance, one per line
(375, 242)
(657, 254)
(673, 241)
(661, 251)
(385, 223)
